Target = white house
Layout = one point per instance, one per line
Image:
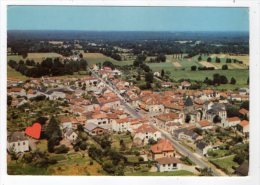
(56, 95)
(167, 164)
(146, 132)
(231, 122)
(17, 142)
(121, 125)
(116, 72)
(99, 119)
(71, 135)
(17, 91)
(244, 126)
(65, 122)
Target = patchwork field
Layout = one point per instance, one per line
(244, 58)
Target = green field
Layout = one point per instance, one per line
(186, 63)
(18, 168)
(225, 163)
(174, 173)
(37, 57)
(223, 58)
(95, 58)
(159, 66)
(241, 76)
(116, 140)
(13, 74)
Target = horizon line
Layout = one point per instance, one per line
(129, 30)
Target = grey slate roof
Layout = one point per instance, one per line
(16, 136)
(188, 102)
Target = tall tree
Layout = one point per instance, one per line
(233, 81)
(162, 73)
(53, 130)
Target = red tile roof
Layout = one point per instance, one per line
(164, 145)
(244, 123)
(204, 123)
(145, 128)
(243, 111)
(168, 160)
(233, 119)
(123, 120)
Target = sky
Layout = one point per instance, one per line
(127, 18)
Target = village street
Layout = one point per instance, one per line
(200, 161)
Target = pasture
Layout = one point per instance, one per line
(37, 57)
(94, 58)
(14, 75)
(241, 76)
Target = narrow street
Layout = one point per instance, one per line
(200, 161)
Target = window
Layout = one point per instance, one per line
(104, 122)
(23, 143)
(163, 165)
(18, 144)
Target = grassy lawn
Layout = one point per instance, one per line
(42, 145)
(219, 153)
(132, 158)
(225, 163)
(116, 140)
(18, 168)
(13, 74)
(76, 164)
(174, 173)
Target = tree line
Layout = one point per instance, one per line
(219, 79)
(49, 66)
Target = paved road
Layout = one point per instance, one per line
(194, 157)
(111, 87)
(200, 161)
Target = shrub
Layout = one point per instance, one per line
(61, 149)
(83, 146)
